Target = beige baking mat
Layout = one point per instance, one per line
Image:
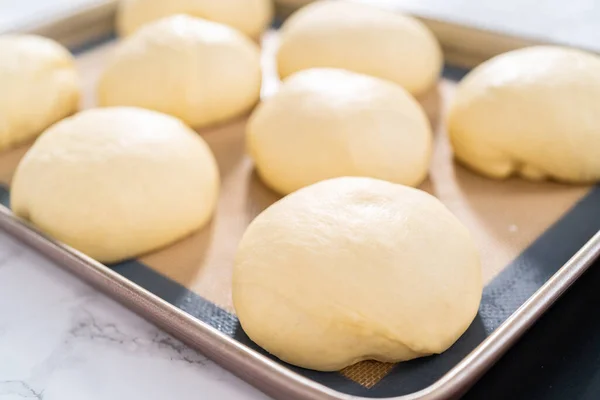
(504, 217)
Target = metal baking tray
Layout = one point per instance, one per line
(536, 239)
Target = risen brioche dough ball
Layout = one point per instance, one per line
(356, 268)
(117, 182)
(196, 70)
(39, 85)
(533, 112)
(248, 16)
(326, 123)
(363, 39)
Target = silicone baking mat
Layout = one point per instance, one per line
(525, 232)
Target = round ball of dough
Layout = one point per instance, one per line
(363, 39)
(117, 182)
(327, 123)
(39, 85)
(356, 268)
(251, 17)
(199, 71)
(534, 112)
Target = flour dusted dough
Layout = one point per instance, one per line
(356, 268)
(326, 123)
(363, 39)
(39, 85)
(534, 112)
(200, 71)
(117, 182)
(248, 16)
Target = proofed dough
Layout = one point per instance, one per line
(39, 85)
(356, 268)
(363, 39)
(199, 71)
(534, 112)
(326, 123)
(117, 182)
(251, 17)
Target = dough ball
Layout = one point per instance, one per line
(117, 182)
(356, 268)
(327, 123)
(39, 85)
(363, 39)
(534, 112)
(251, 17)
(199, 71)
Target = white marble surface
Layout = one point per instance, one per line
(60, 339)
(18, 13)
(572, 22)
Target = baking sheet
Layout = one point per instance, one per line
(525, 232)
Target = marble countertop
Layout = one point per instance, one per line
(60, 339)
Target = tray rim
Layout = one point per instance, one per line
(82, 25)
(269, 376)
(462, 45)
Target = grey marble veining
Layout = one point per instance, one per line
(62, 340)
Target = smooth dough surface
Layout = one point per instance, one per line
(39, 85)
(533, 112)
(199, 71)
(363, 39)
(117, 182)
(326, 123)
(356, 268)
(251, 17)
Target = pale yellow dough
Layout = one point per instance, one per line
(39, 85)
(251, 17)
(327, 123)
(356, 268)
(534, 112)
(360, 38)
(200, 71)
(117, 182)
